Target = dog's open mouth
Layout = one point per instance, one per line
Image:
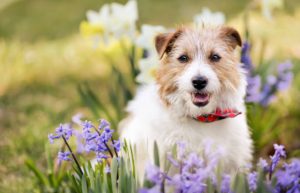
(200, 99)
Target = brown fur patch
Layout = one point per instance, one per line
(166, 78)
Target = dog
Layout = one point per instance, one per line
(198, 95)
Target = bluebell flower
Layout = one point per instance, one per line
(253, 89)
(64, 156)
(63, 130)
(154, 189)
(252, 181)
(288, 178)
(106, 135)
(246, 58)
(100, 157)
(284, 67)
(103, 124)
(263, 164)
(79, 142)
(279, 152)
(87, 126)
(52, 137)
(267, 94)
(180, 149)
(285, 76)
(172, 160)
(153, 174)
(77, 119)
(107, 169)
(225, 184)
(91, 146)
(260, 93)
(117, 145)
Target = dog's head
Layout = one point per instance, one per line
(199, 69)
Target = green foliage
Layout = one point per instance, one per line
(119, 92)
(53, 180)
(96, 179)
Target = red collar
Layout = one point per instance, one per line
(218, 115)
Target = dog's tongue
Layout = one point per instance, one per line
(200, 97)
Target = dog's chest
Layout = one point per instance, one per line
(168, 132)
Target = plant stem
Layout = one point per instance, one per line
(113, 143)
(74, 158)
(270, 172)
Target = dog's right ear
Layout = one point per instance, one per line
(165, 41)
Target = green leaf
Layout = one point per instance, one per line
(240, 183)
(156, 154)
(84, 187)
(114, 174)
(38, 174)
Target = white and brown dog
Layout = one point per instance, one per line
(198, 95)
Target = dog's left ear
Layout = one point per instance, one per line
(165, 41)
(231, 36)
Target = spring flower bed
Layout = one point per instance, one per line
(112, 171)
(100, 162)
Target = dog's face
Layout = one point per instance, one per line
(199, 70)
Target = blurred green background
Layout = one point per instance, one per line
(43, 58)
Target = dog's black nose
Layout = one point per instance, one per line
(199, 82)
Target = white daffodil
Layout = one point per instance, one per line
(149, 64)
(268, 6)
(146, 39)
(99, 18)
(148, 67)
(206, 17)
(115, 20)
(123, 19)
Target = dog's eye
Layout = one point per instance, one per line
(215, 58)
(183, 58)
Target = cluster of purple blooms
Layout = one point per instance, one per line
(194, 173)
(263, 92)
(98, 140)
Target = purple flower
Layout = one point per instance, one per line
(89, 136)
(79, 142)
(285, 66)
(225, 184)
(288, 178)
(252, 181)
(103, 124)
(192, 164)
(63, 130)
(154, 189)
(106, 135)
(267, 95)
(77, 118)
(180, 149)
(64, 156)
(263, 164)
(117, 145)
(245, 58)
(279, 152)
(52, 137)
(253, 89)
(87, 126)
(153, 174)
(91, 146)
(107, 169)
(100, 157)
(172, 160)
